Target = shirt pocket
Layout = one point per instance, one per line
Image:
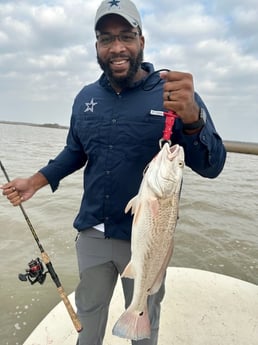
(142, 137)
(88, 128)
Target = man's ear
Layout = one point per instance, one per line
(142, 41)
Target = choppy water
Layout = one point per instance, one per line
(217, 230)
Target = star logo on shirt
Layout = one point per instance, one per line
(114, 3)
(90, 106)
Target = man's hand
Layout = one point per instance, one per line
(22, 189)
(178, 95)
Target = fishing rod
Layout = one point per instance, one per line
(35, 273)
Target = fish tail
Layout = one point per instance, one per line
(133, 325)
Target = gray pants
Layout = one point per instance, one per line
(100, 262)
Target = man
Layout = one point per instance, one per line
(114, 133)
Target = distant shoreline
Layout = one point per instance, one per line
(231, 146)
(48, 125)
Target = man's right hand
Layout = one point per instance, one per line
(22, 189)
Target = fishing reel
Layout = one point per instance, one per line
(35, 273)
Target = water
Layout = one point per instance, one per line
(217, 230)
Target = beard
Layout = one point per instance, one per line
(128, 79)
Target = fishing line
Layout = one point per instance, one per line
(153, 79)
(47, 262)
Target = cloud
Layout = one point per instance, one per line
(48, 55)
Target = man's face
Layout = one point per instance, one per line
(120, 59)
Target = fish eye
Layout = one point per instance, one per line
(181, 164)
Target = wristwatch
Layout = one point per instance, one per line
(199, 123)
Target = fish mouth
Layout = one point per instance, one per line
(177, 151)
(172, 151)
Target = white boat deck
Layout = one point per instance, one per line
(200, 308)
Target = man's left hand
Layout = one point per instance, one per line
(178, 95)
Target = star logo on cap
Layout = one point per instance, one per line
(114, 3)
(90, 106)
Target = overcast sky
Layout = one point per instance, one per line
(47, 55)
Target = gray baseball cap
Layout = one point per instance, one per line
(123, 8)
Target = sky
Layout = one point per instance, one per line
(47, 54)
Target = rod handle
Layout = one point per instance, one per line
(61, 292)
(71, 312)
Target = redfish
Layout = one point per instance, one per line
(155, 210)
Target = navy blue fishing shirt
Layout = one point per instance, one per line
(114, 136)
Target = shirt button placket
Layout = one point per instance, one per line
(109, 163)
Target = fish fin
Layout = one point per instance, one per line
(159, 279)
(129, 271)
(133, 324)
(137, 214)
(131, 205)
